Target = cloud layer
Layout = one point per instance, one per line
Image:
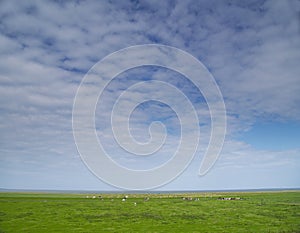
(46, 48)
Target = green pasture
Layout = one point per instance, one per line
(254, 212)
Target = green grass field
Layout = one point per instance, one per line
(255, 212)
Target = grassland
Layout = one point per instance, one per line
(255, 212)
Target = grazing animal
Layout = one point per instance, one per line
(229, 198)
(123, 199)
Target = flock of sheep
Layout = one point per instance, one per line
(183, 198)
(123, 199)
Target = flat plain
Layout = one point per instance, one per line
(181, 212)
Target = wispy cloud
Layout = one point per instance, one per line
(252, 49)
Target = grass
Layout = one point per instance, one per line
(255, 212)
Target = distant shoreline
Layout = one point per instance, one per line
(145, 191)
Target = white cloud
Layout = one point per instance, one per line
(252, 49)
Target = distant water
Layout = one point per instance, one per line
(147, 191)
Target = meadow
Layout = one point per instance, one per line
(189, 212)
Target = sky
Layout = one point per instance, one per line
(251, 48)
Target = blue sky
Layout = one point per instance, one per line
(251, 48)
